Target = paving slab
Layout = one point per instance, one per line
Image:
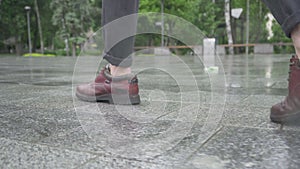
(16, 154)
(238, 147)
(177, 125)
(32, 126)
(248, 116)
(120, 163)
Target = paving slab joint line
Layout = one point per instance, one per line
(55, 147)
(243, 99)
(205, 142)
(116, 157)
(81, 151)
(252, 127)
(63, 134)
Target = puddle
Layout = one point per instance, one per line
(208, 162)
(52, 83)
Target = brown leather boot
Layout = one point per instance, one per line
(289, 109)
(115, 90)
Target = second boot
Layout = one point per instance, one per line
(289, 109)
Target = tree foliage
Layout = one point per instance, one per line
(74, 19)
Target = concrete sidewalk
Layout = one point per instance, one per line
(40, 127)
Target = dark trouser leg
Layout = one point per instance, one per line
(119, 54)
(286, 12)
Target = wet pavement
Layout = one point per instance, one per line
(42, 124)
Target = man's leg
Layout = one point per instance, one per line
(287, 13)
(118, 52)
(115, 83)
(296, 39)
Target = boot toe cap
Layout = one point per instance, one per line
(277, 114)
(85, 89)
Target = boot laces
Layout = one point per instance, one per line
(292, 63)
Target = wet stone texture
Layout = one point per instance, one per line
(188, 118)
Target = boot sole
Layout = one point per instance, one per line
(286, 119)
(117, 99)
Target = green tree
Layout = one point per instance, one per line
(70, 20)
(202, 13)
(227, 13)
(36, 6)
(13, 23)
(258, 12)
(74, 20)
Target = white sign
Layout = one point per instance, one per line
(236, 12)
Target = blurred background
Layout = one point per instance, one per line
(60, 27)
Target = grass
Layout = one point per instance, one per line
(38, 55)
